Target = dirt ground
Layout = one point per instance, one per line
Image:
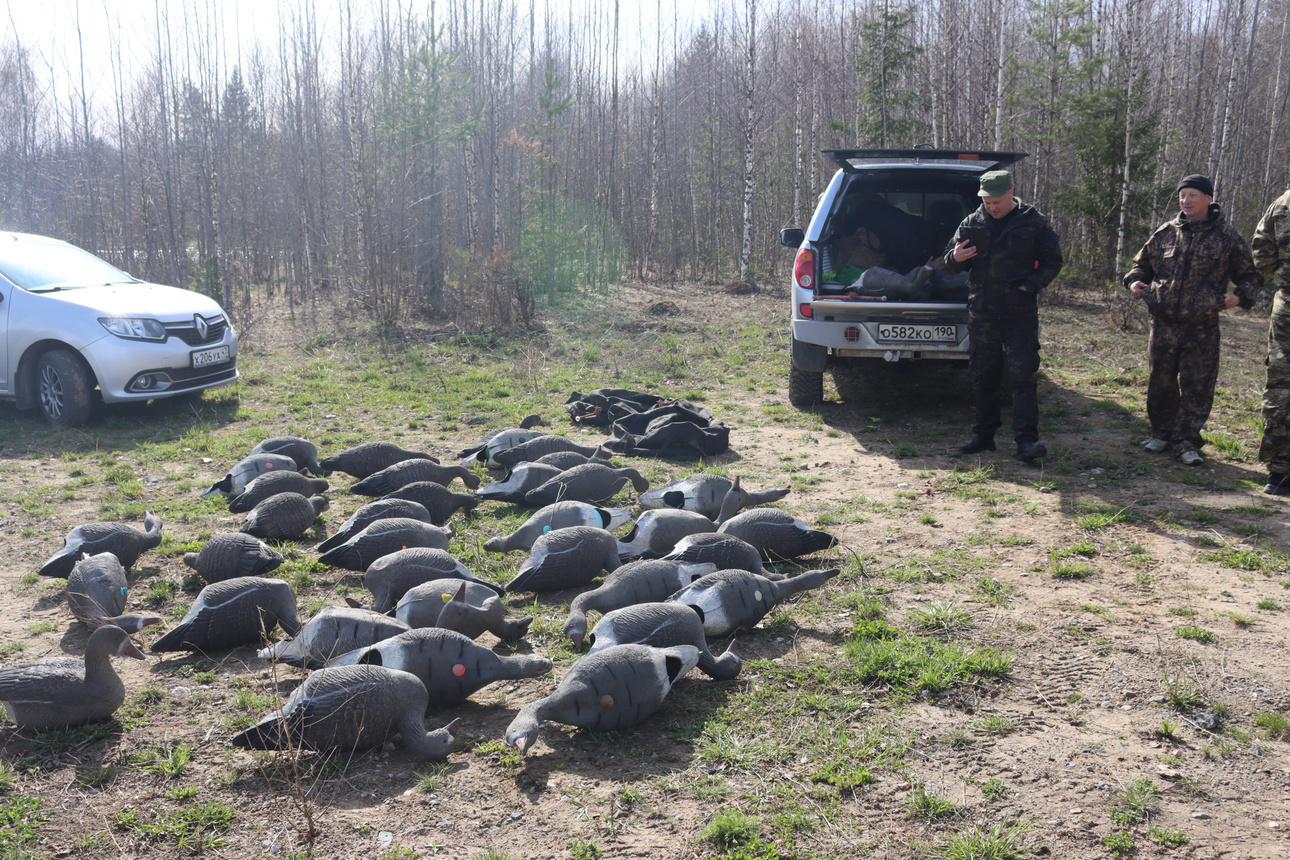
(1097, 660)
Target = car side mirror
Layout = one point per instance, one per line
(792, 237)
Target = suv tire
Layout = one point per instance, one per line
(64, 385)
(805, 388)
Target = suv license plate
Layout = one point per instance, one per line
(210, 356)
(917, 333)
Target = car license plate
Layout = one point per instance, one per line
(897, 333)
(204, 357)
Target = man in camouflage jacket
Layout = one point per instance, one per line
(1182, 273)
(1022, 256)
(1272, 257)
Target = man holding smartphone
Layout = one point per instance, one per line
(1011, 252)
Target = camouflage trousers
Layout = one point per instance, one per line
(1183, 360)
(1005, 349)
(1274, 449)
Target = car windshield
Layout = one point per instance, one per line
(40, 266)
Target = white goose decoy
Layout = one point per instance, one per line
(353, 708)
(247, 470)
(68, 691)
(732, 600)
(335, 630)
(663, 625)
(96, 593)
(560, 515)
(710, 495)
(656, 533)
(517, 484)
(482, 452)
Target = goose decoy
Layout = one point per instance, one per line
(723, 550)
(392, 575)
(560, 515)
(302, 451)
(124, 541)
(706, 494)
(96, 593)
(593, 483)
(232, 613)
(272, 483)
(607, 691)
(733, 600)
(500, 441)
(353, 708)
(663, 625)
(401, 474)
(245, 471)
(451, 665)
(566, 558)
(565, 460)
(778, 536)
(335, 630)
(68, 691)
(537, 447)
(656, 533)
(470, 608)
(232, 554)
(645, 581)
(370, 458)
(440, 501)
(517, 484)
(286, 516)
(382, 538)
(381, 509)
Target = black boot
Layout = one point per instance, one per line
(1278, 484)
(978, 444)
(1028, 450)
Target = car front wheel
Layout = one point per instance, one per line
(65, 387)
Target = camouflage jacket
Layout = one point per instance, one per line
(1188, 265)
(1022, 258)
(1271, 244)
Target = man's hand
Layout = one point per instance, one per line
(964, 251)
(1137, 287)
(1230, 300)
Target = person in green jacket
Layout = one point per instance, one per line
(1271, 248)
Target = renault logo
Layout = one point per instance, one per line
(203, 328)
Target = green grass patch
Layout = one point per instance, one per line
(193, 828)
(1196, 634)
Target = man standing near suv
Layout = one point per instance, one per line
(1011, 252)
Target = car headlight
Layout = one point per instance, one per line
(134, 329)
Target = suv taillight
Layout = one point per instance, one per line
(804, 268)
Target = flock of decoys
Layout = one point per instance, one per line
(691, 568)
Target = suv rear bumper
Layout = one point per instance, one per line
(890, 331)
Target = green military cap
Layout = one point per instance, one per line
(995, 183)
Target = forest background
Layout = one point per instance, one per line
(462, 158)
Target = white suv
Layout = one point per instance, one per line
(70, 321)
(884, 208)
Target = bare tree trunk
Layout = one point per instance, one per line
(750, 127)
(1275, 108)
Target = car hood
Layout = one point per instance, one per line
(167, 304)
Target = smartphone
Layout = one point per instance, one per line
(977, 236)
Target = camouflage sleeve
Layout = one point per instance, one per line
(952, 265)
(1048, 254)
(1246, 278)
(1142, 269)
(1267, 252)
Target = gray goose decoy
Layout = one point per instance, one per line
(406, 472)
(370, 458)
(565, 460)
(382, 538)
(778, 536)
(538, 447)
(286, 516)
(645, 581)
(707, 494)
(392, 575)
(566, 558)
(656, 533)
(245, 471)
(723, 550)
(68, 691)
(335, 630)
(663, 625)
(451, 665)
(96, 592)
(607, 691)
(594, 483)
(560, 515)
(124, 541)
(302, 451)
(272, 483)
(470, 608)
(353, 708)
(232, 613)
(482, 452)
(381, 509)
(233, 554)
(440, 501)
(733, 600)
(517, 484)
